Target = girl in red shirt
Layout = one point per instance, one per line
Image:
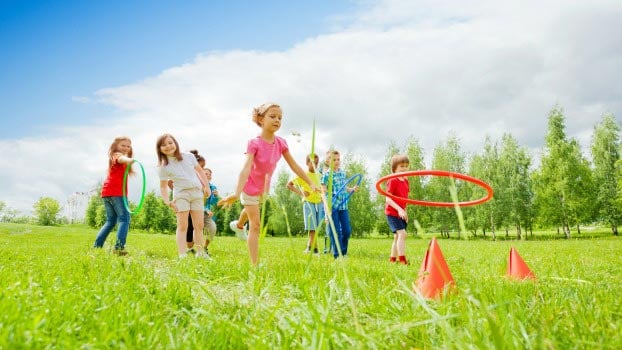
(119, 158)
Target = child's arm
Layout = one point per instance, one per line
(298, 170)
(120, 158)
(203, 179)
(292, 187)
(400, 211)
(164, 193)
(244, 173)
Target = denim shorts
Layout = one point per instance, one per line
(396, 223)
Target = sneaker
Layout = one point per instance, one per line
(239, 232)
(204, 256)
(120, 252)
(316, 252)
(307, 251)
(191, 251)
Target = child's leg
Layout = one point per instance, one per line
(312, 241)
(189, 233)
(401, 246)
(180, 233)
(111, 221)
(243, 218)
(401, 242)
(252, 212)
(197, 220)
(346, 230)
(393, 257)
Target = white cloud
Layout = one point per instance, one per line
(398, 69)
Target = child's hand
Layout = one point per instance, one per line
(403, 214)
(173, 206)
(227, 201)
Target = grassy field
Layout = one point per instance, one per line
(59, 293)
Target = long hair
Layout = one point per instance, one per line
(162, 159)
(113, 149)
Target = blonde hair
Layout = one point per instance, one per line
(113, 149)
(398, 159)
(259, 112)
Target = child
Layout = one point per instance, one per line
(189, 189)
(209, 225)
(119, 158)
(395, 210)
(312, 201)
(190, 230)
(262, 154)
(339, 211)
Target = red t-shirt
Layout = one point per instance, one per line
(398, 188)
(113, 185)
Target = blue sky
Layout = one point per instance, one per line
(53, 51)
(75, 74)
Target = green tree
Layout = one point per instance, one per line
(448, 157)
(563, 184)
(605, 150)
(381, 224)
(289, 208)
(46, 211)
(363, 216)
(485, 166)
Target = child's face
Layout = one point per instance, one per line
(311, 165)
(208, 174)
(271, 120)
(336, 161)
(124, 147)
(168, 147)
(402, 167)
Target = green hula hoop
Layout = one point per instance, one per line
(142, 195)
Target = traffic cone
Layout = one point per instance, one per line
(434, 274)
(517, 267)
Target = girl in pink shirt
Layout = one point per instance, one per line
(262, 154)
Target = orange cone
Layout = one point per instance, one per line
(434, 275)
(517, 267)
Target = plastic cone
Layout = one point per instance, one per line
(517, 267)
(434, 274)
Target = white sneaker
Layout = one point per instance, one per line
(239, 232)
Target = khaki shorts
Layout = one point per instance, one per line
(209, 228)
(189, 199)
(246, 199)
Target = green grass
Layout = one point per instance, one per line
(58, 292)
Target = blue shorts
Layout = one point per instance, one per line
(396, 223)
(312, 215)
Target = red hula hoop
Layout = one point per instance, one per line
(478, 182)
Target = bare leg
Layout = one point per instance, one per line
(180, 233)
(197, 221)
(252, 212)
(243, 218)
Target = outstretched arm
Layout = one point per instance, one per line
(242, 178)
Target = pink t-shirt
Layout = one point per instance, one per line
(266, 155)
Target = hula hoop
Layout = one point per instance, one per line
(345, 188)
(478, 182)
(142, 195)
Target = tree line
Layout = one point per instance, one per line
(565, 192)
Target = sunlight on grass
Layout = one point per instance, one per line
(58, 292)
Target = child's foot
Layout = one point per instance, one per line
(191, 251)
(307, 251)
(316, 252)
(120, 252)
(239, 232)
